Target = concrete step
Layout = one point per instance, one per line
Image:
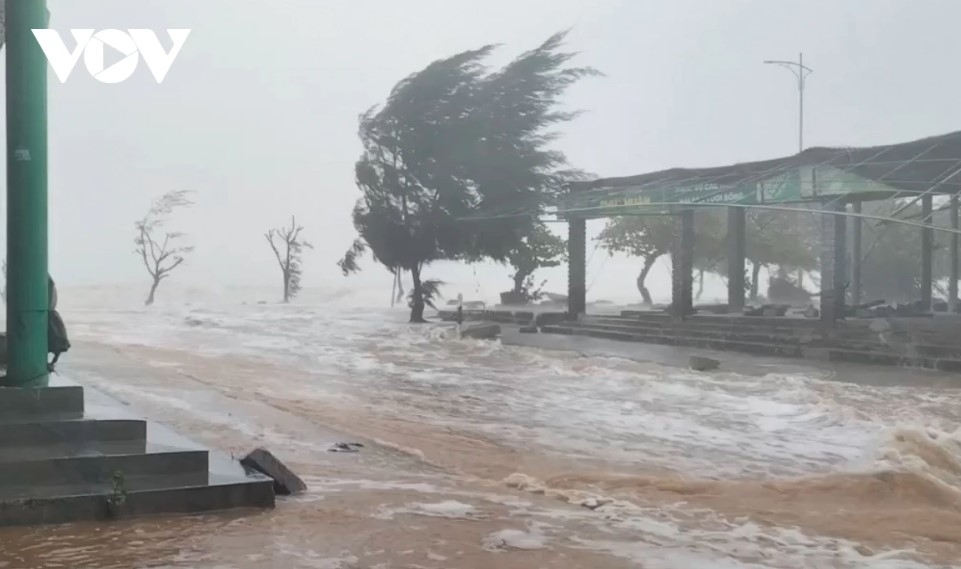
(696, 332)
(952, 365)
(873, 354)
(871, 341)
(58, 466)
(758, 348)
(23, 404)
(48, 452)
(942, 344)
(784, 327)
(156, 468)
(81, 435)
(218, 493)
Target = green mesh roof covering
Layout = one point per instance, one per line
(911, 169)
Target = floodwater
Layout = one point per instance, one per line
(480, 455)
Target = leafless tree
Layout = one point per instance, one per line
(162, 251)
(288, 247)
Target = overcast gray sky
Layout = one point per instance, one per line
(259, 113)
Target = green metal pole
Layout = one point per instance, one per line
(27, 302)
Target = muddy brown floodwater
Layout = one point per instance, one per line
(481, 455)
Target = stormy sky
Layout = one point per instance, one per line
(258, 115)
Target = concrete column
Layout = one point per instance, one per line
(856, 233)
(927, 252)
(833, 274)
(682, 266)
(577, 268)
(736, 253)
(953, 260)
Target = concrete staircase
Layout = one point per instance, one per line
(914, 342)
(59, 463)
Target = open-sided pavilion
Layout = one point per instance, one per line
(832, 182)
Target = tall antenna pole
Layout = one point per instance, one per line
(801, 72)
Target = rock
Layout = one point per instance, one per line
(782, 290)
(771, 310)
(529, 330)
(767, 310)
(753, 310)
(812, 312)
(511, 298)
(864, 550)
(700, 363)
(286, 483)
(547, 318)
(713, 308)
(481, 332)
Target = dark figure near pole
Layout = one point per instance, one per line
(57, 341)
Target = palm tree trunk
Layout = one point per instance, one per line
(417, 302)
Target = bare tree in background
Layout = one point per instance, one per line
(288, 247)
(162, 251)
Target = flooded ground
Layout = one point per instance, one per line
(481, 455)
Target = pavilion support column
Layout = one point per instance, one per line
(833, 275)
(927, 252)
(26, 89)
(682, 269)
(856, 233)
(953, 258)
(736, 254)
(577, 268)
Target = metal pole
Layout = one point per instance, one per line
(953, 252)
(27, 301)
(856, 232)
(927, 253)
(800, 73)
(800, 131)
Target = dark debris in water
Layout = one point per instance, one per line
(345, 447)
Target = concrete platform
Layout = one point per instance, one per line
(68, 454)
(926, 343)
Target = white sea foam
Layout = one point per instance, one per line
(515, 539)
(628, 414)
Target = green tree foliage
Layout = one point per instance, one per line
(891, 259)
(454, 139)
(540, 249)
(786, 240)
(652, 236)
